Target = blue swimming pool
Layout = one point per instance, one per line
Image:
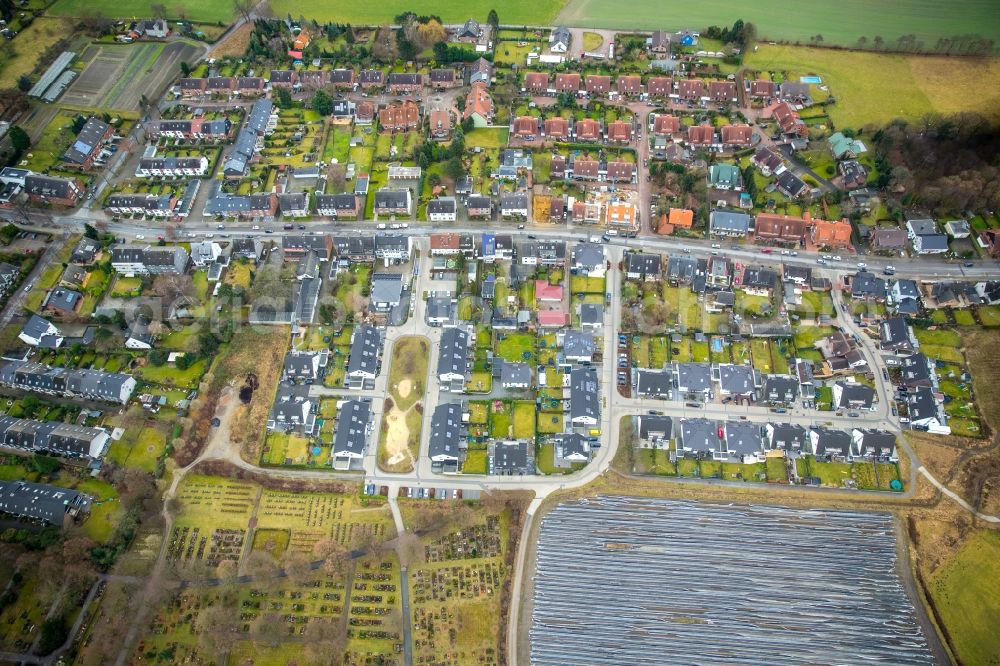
(810, 79)
(717, 345)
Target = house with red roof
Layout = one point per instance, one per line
(546, 292)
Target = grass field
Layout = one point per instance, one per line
(28, 48)
(408, 374)
(840, 23)
(966, 592)
(875, 88)
(208, 12)
(514, 11)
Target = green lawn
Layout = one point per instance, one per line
(876, 88)
(546, 461)
(126, 287)
(138, 449)
(517, 347)
(966, 592)
(581, 284)
(475, 462)
(524, 419)
(208, 12)
(654, 461)
(989, 315)
(830, 473)
(168, 375)
(816, 302)
(487, 137)
(939, 336)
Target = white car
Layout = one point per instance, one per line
(785, 252)
(716, 246)
(140, 237)
(862, 264)
(256, 227)
(836, 257)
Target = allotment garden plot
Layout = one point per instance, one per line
(755, 584)
(118, 76)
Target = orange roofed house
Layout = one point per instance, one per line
(620, 131)
(526, 127)
(782, 228)
(399, 118)
(832, 234)
(557, 128)
(666, 125)
(302, 40)
(701, 135)
(736, 135)
(588, 129)
(681, 218)
(537, 82)
(548, 292)
(568, 82)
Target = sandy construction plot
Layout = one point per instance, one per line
(117, 76)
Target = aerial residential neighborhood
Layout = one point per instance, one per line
(331, 336)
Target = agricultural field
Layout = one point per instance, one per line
(208, 12)
(109, 77)
(513, 12)
(876, 88)
(966, 593)
(842, 23)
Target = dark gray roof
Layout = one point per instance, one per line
(737, 379)
(652, 425)
(644, 264)
(654, 383)
(511, 456)
(585, 398)
(921, 405)
(447, 432)
(339, 202)
(591, 313)
(515, 373)
(441, 205)
(63, 299)
(699, 435)
(895, 332)
(693, 376)
(391, 198)
(742, 438)
(578, 344)
(47, 186)
(830, 442)
(729, 222)
(85, 251)
(588, 256)
(36, 327)
(40, 501)
(353, 423)
(787, 436)
(779, 388)
(87, 141)
(366, 350)
(453, 352)
(867, 284)
(387, 288)
(855, 394)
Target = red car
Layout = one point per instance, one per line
(766, 250)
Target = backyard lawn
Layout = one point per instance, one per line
(516, 347)
(170, 375)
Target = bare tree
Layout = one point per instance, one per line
(296, 566)
(244, 8)
(260, 565)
